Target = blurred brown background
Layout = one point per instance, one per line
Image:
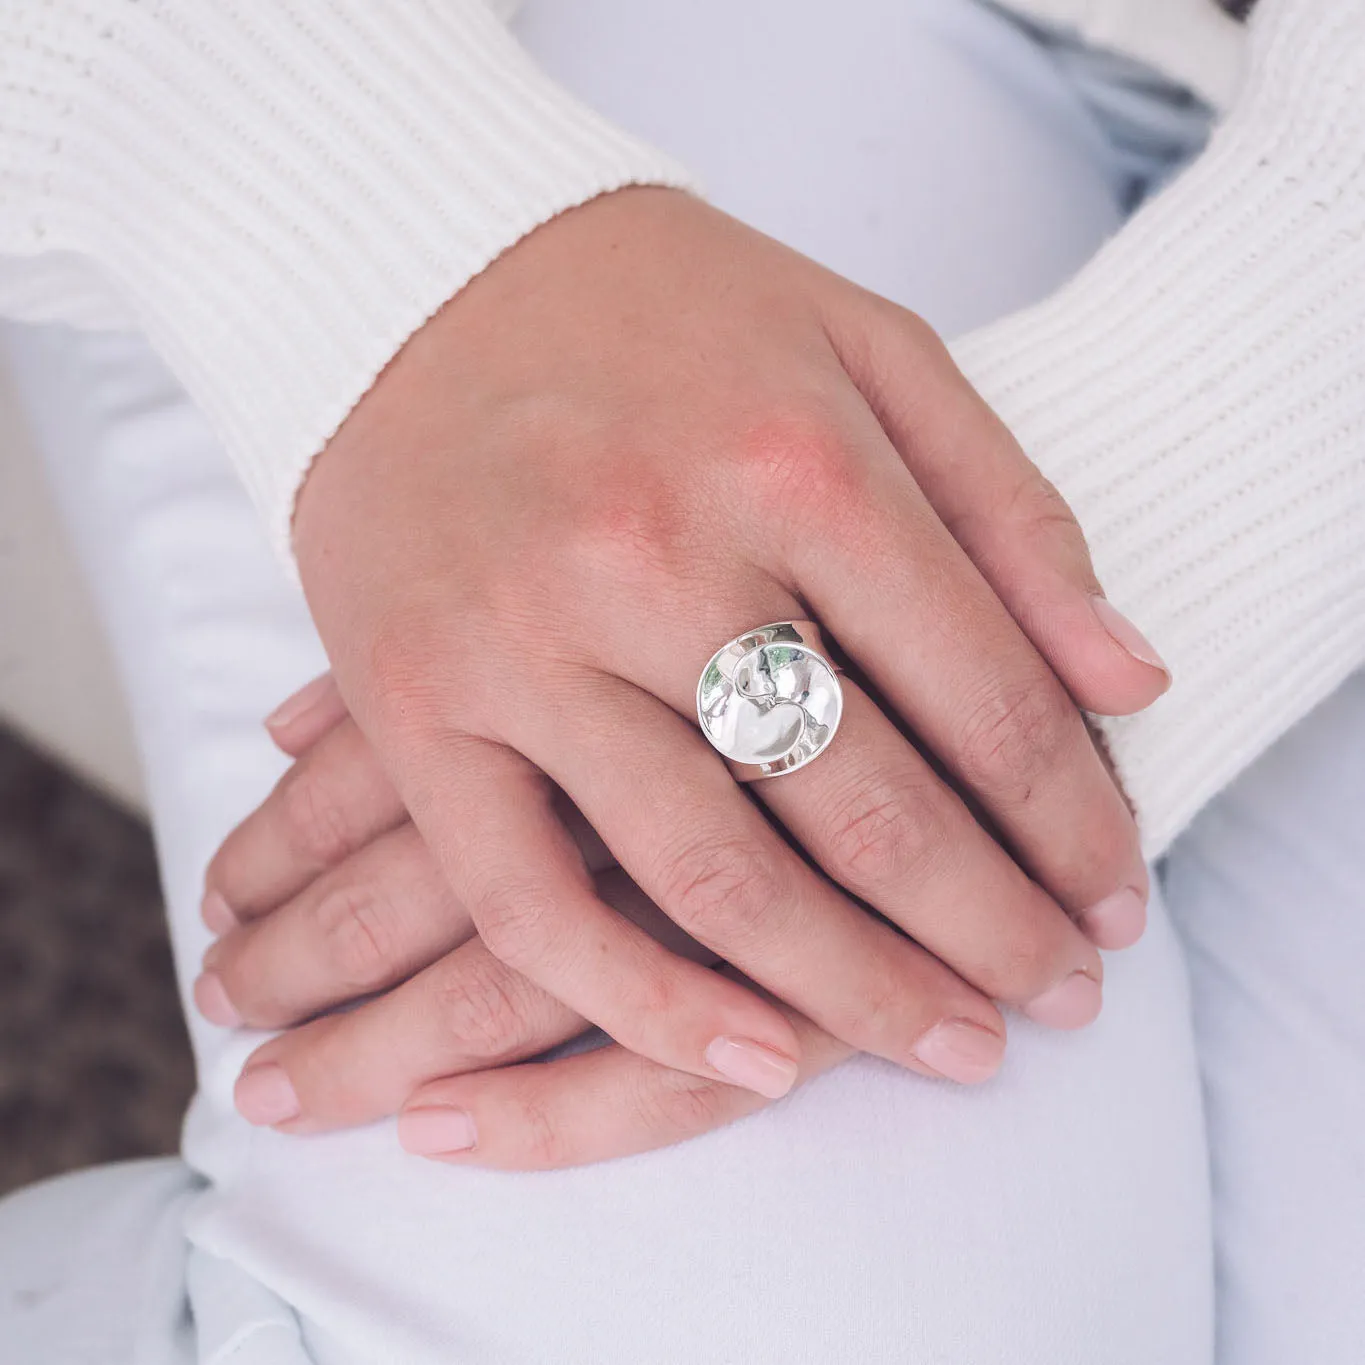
(94, 1060)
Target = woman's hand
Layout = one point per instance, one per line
(445, 1020)
(438, 1040)
(642, 431)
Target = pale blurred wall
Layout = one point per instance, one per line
(57, 684)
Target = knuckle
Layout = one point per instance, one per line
(484, 1011)
(544, 1145)
(1029, 952)
(1113, 844)
(1049, 525)
(246, 978)
(720, 890)
(356, 936)
(882, 837)
(514, 918)
(903, 324)
(667, 1106)
(1039, 502)
(411, 702)
(1020, 965)
(899, 345)
(233, 871)
(1015, 736)
(316, 825)
(798, 460)
(884, 1019)
(637, 533)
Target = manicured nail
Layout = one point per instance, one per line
(1127, 634)
(1117, 921)
(744, 1062)
(217, 913)
(436, 1131)
(211, 999)
(264, 1095)
(308, 696)
(961, 1051)
(1072, 1003)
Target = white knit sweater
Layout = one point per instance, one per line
(280, 194)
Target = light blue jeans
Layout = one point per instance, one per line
(937, 152)
(1151, 126)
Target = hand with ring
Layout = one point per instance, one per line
(644, 431)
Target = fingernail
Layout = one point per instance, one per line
(217, 913)
(755, 1067)
(1127, 634)
(961, 1051)
(211, 999)
(265, 1096)
(1072, 1003)
(1117, 921)
(308, 696)
(436, 1131)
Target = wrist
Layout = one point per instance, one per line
(342, 171)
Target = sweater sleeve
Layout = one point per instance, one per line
(1198, 395)
(278, 194)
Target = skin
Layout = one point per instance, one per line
(643, 429)
(443, 1023)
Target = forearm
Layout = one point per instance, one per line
(1197, 395)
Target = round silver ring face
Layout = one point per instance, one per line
(769, 700)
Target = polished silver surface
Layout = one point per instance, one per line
(770, 700)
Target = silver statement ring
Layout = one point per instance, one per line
(770, 700)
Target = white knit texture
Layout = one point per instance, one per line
(279, 194)
(1198, 395)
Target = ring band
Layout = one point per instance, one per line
(770, 700)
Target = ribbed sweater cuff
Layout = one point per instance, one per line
(283, 193)
(1196, 394)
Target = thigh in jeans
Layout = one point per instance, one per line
(1268, 891)
(1057, 1215)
